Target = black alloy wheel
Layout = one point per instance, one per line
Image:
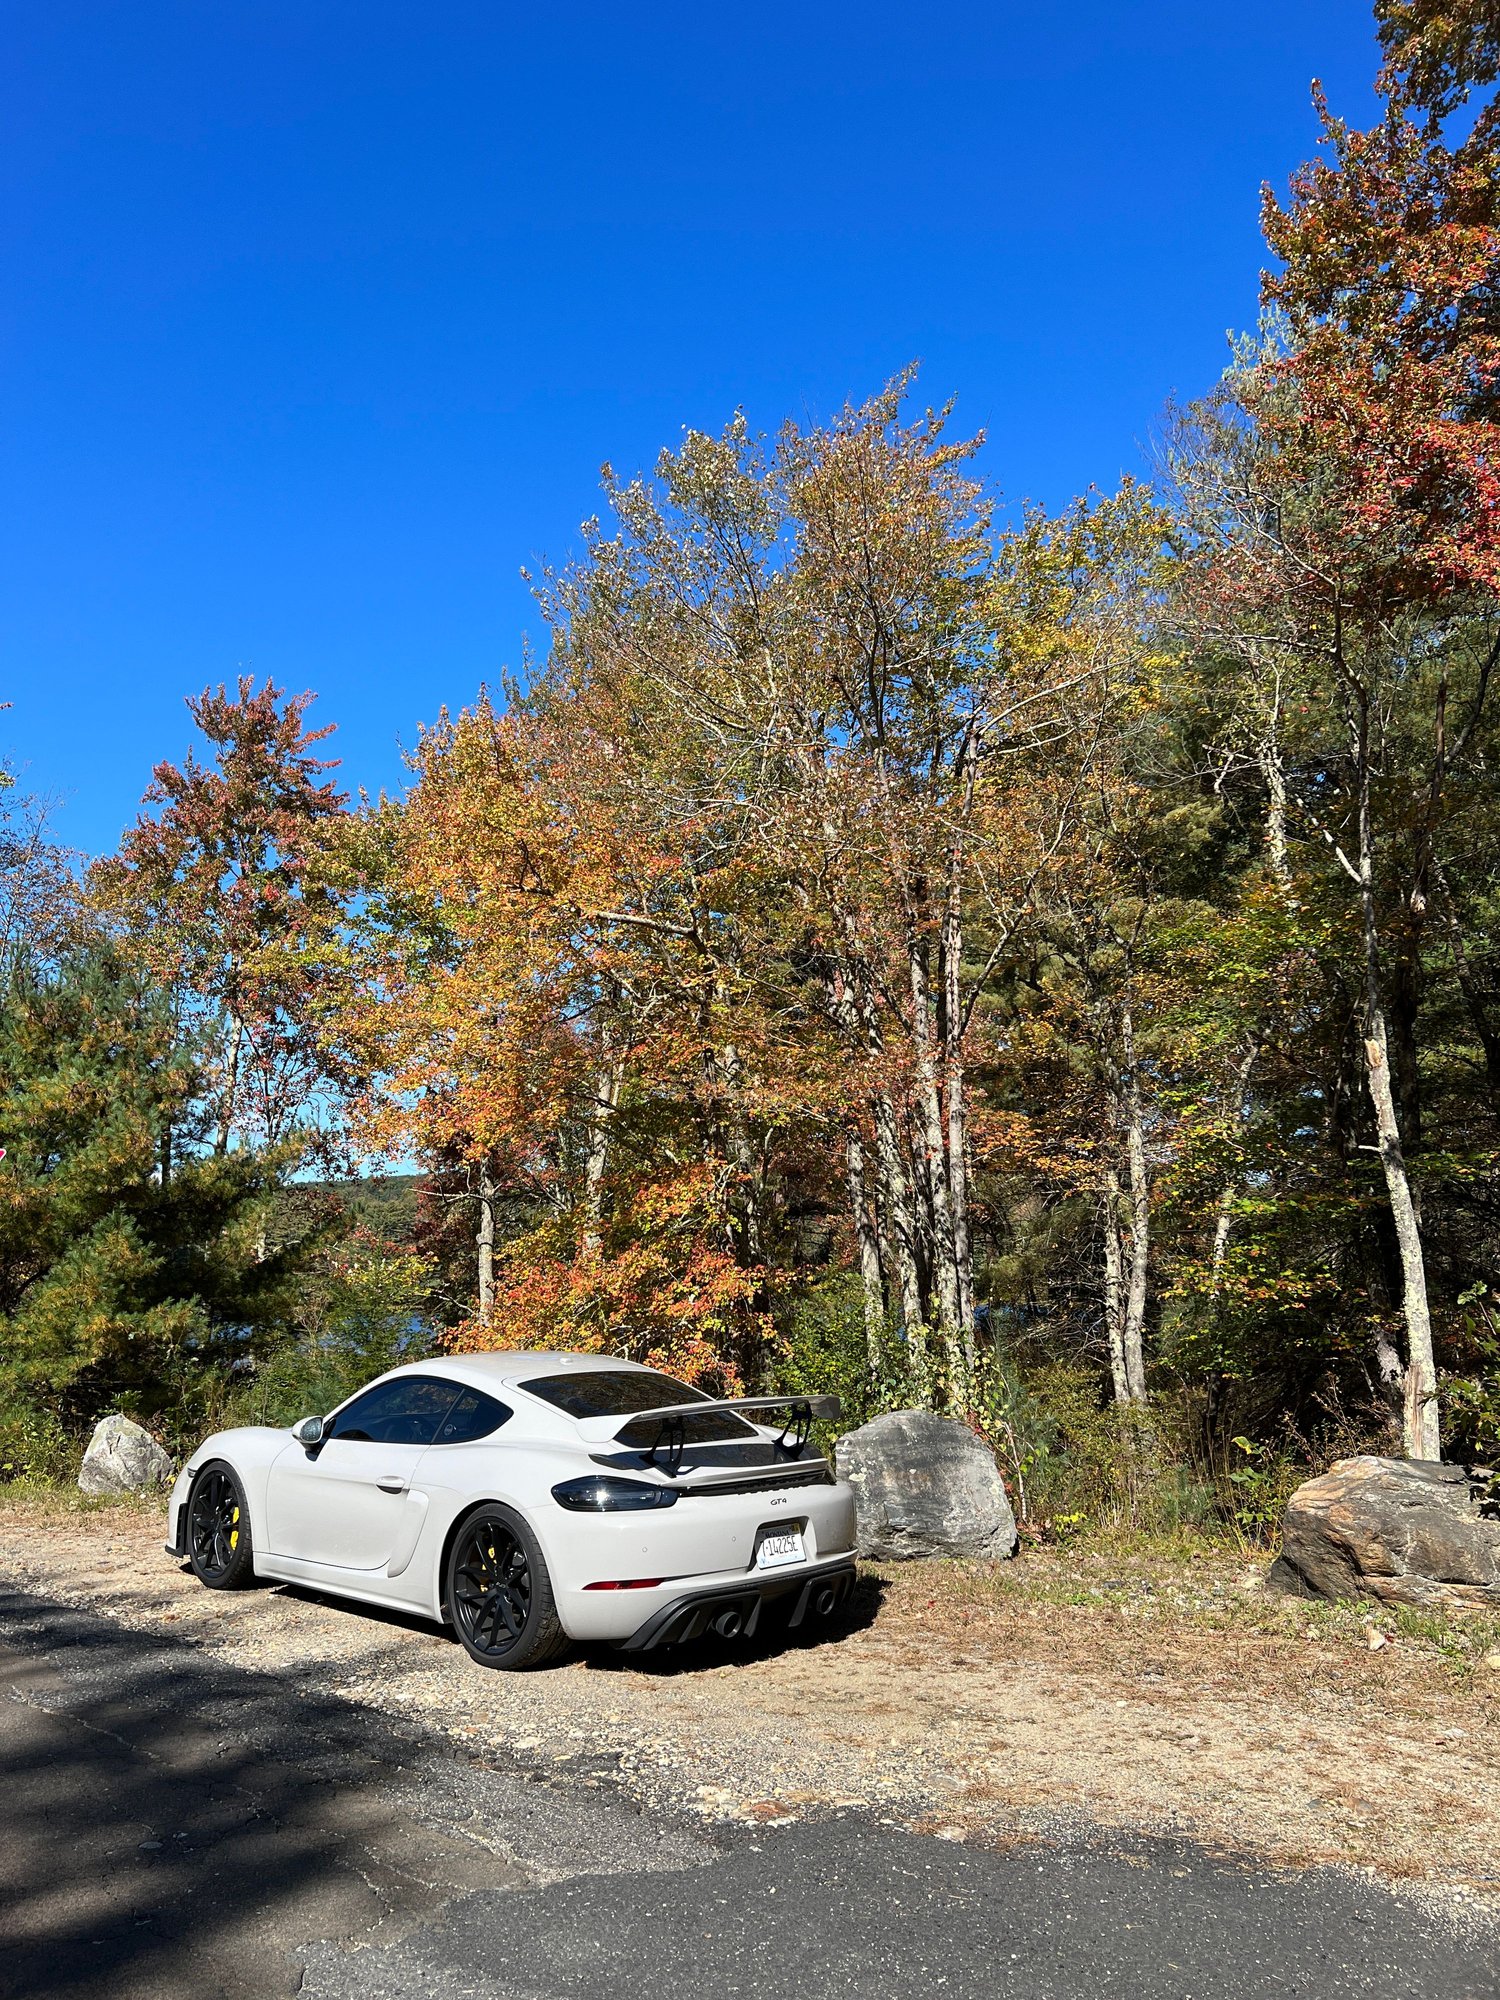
(500, 1595)
(219, 1530)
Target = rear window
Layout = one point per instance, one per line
(621, 1392)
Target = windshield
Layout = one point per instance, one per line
(626, 1392)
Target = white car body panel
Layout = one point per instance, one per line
(372, 1521)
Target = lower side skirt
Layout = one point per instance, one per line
(735, 1611)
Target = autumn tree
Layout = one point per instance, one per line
(1345, 498)
(212, 887)
(827, 624)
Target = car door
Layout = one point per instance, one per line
(447, 1472)
(342, 1502)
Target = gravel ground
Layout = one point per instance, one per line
(180, 1828)
(982, 1706)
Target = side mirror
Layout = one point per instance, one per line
(309, 1432)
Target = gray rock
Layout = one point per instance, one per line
(123, 1458)
(925, 1486)
(1405, 1531)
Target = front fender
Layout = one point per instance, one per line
(249, 1453)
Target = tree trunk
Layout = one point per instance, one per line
(1225, 1218)
(896, 1198)
(1114, 1287)
(867, 1242)
(1401, 1026)
(1274, 775)
(231, 1086)
(934, 1180)
(484, 1238)
(1140, 1219)
(1422, 1436)
(749, 1239)
(956, 1134)
(606, 1102)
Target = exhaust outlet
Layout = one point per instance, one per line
(825, 1601)
(729, 1624)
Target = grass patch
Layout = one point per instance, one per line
(1118, 1592)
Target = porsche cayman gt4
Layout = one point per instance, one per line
(533, 1499)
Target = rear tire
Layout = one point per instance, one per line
(218, 1529)
(499, 1595)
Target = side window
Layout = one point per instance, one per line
(407, 1411)
(472, 1417)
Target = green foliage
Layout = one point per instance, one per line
(825, 1350)
(1263, 1479)
(366, 1307)
(34, 1447)
(133, 1267)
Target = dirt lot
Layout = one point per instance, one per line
(1154, 1690)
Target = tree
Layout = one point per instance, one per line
(120, 1287)
(1348, 508)
(39, 903)
(213, 887)
(865, 723)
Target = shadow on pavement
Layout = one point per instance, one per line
(177, 1833)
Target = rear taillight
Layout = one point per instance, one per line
(598, 1495)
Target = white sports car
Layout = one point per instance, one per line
(530, 1499)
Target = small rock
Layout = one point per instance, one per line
(1492, 1661)
(1374, 1637)
(123, 1458)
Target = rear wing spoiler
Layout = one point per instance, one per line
(670, 1419)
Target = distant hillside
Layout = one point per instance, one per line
(386, 1204)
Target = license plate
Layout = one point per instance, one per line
(783, 1545)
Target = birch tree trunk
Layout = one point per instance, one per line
(1422, 1435)
(956, 1161)
(1114, 1287)
(1133, 1333)
(867, 1242)
(895, 1191)
(231, 1086)
(929, 1119)
(1225, 1217)
(1273, 774)
(484, 1238)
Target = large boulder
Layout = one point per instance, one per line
(925, 1486)
(1402, 1530)
(122, 1458)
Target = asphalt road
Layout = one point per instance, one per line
(171, 1829)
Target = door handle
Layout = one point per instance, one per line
(391, 1483)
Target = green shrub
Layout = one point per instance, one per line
(34, 1447)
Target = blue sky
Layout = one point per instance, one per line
(320, 319)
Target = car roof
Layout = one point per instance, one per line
(519, 1365)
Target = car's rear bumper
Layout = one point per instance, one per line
(734, 1609)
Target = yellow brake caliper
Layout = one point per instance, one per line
(234, 1533)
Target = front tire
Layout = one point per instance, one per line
(499, 1594)
(219, 1530)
